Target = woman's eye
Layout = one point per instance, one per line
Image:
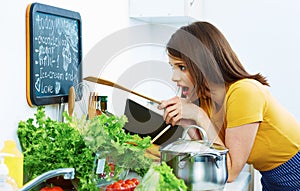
(182, 68)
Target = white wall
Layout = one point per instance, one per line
(102, 24)
(266, 37)
(99, 18)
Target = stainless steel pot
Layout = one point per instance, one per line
(200, 164)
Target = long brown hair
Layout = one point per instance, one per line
(209, 57)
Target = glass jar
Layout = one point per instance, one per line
(105, 169)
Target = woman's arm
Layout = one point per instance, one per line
(239, 140)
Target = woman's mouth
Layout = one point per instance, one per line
(185, 91)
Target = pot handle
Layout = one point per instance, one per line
(202, 132)
(216, 156)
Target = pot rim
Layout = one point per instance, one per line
(213, 148)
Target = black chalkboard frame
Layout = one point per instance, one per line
(32, 98)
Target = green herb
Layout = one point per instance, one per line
(48, 145)
(105, 135)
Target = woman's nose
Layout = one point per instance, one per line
(175, 76)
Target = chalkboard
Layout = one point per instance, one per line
(54, 53)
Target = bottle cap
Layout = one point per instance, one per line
(98, 98)
(3, 168)
(103, 98)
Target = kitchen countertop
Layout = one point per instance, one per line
(241, 183)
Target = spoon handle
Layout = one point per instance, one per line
(112, 84)
(160, 134)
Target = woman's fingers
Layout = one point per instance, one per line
(176, 119)
(168, 114)
(172, 116)
(166, 103)
(173, 113)
(173, 110)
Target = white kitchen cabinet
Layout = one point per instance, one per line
(166, 11)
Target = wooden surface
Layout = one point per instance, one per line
(115, 85)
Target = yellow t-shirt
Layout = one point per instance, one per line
(278, 136)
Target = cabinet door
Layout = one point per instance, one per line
(166, 11)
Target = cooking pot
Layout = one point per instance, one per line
(201, 164)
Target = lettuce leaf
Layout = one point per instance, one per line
(161, 178)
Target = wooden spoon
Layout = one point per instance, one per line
(160, 134)
(71, 101)
(112, 84)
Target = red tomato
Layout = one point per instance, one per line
(109, 187)
(126, 187)
(45, 189)
(130, 183)
(52, 188)
(136, 181)
(116, 186)
(123, 185)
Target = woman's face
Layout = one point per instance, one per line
(182, 77)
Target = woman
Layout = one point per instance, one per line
(234, 107)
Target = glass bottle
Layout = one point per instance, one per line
(15, 163)
(98, 105)
(7, 183)
(103, 104)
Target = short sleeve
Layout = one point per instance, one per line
(245, 103)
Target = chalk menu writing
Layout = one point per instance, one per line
(55, 54)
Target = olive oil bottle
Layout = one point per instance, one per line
(102, 100)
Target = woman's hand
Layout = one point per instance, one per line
(179, 111)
